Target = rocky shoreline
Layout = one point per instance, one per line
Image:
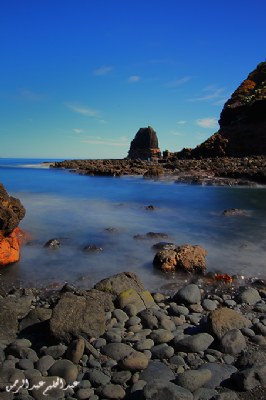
(119, 341)
(209, 171)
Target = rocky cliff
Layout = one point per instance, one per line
(11, 213)
(242, 122)
(145, 145)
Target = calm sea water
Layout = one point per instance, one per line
(78, 209)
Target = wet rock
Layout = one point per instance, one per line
(11, 212)
(161, 336)
(44, 363)
(157, 370)
(232, 212)
(164, 390)
(162, 351)
(9, 249)
(98, 378)
(151, 235)
(64, 369)
(195, 343)
(221, 374)
(121, 377)
(249, 296)
(92, 248)
(164, 246)
(150, 207)
(136, 361)
(10, 377)
(205, 394)
(52, 244)
(75, 350)
(117, 351)
(233, 342)
(141, 300)
(189, 294)
(186, 258)
(70, 317)
(209, 305)
(194, 379)
(55, 351)
(224, 319)
(112, 391)
(120, 282)
(250, 378)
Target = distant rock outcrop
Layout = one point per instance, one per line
(145, 145)
(242, 122)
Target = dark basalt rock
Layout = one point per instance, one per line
(52, 244)
(92, 248)
(242, 122)
(144, 145)
(11, 212)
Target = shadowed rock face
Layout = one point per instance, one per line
(242, 122)
(144, 145)
(11, 212)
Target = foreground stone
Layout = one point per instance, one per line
(71, 318)
(164, 351)
(120, 282)
(224, 320)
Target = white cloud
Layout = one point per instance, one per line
(28, 95)
(176, 133)
(178, 82)
(181, 122)
(133, 78)
(96, 140)
(104, 70)
(77, 130)
(210, 93)
(209, 122)
(89, 112)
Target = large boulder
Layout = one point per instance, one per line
(11, 213)
(75, 316)
(223, 320)
(119, 283)
(186, 257)
(12, 309)
(145, 145)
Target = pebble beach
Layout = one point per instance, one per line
(119, 341)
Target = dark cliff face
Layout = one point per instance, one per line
(11, 212)
(144, 145)
(242, 121)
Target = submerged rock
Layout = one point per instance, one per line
(186, 257)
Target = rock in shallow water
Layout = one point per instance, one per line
(185, 258)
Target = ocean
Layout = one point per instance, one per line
(109, 212)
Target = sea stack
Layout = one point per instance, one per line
(242, 122)
(145, 145)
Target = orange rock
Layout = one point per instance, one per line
(9, 249)
(22, 236)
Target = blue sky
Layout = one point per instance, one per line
(80, 77)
